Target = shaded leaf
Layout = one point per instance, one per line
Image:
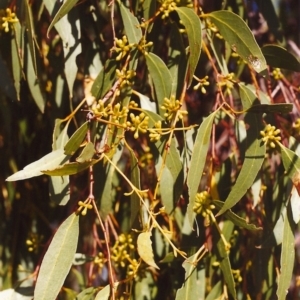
(58, 259)
(248, 97)
(51, 160)
(66, 6)
(144, 248)
(131, 25)
(192, 24)
(235, 219)
(87, 294)
(240, 38)
(70, 168)
(198, 160)
(287, 256)
(279, 57)
(216, 292)
(282, 108)
(76, 139)
(254, 157)
(105, 79)
(161, 77)
(87, 153)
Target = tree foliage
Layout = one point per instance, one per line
(150, 150)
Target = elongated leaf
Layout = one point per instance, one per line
(295, 205)
(105, 79)
(70, 168)
(198, 161)
(51, 160)
(191, 286)
(87, 294)
(240, 38)
(287, 256)
(254, 158)
(192, 24)
(282, 108)
(87, 153)
(76, 139)
(131, 25)
(235, 219)
(66, 6)
(248, 97)
(161, 77)
(144, 248)
(278, 57)
(57, 260)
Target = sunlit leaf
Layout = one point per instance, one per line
(87, 153)
(287, 256)
(191, 286)
(192, 25)
(295, 205)
(105, 79)
(240, 38)
(254, 158)
(216, 292)
(161, 78)
(76, 139)
(57, 260)
(51, 160)
(66, 6)
(278, 57)
(69, 168)
(144, 248)
(198, 160)
(131, 25)
(86, 294)
(248, 97)
(235, 219)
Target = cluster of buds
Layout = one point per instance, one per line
(122, 47)
(7, 18)
(117, 113)
(84, 206)
(100, 110)
(167, 7)
(125, 77)
(173, 108)
(143, 45)
(203, 205)
(276, 73)
(202, 83)
(33, 242)
(100, 260)
(138, 124)
(270, 135)
(227, 82)
(155, 132)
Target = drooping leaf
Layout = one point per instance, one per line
(161, 78)
(198, 160)
(254, 158)
(192, 25)
(240, 38)
(287, 256)
(191, 286)
(63, 10)
(87, 153)
(105, 79)
(51, 160)
(278, 57)
(235, 219)
(57, 260)
(76, 139)
(131, 25)
(69, 168)
(144, 248)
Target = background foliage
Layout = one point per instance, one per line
(169, 136)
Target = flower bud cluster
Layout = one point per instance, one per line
(201, 84)
(270, 135)
(203, 204)
(138, 124)
(7, 18)
(122, 47)
(173, 108)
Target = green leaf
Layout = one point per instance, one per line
(248, 97)
(191, 286)
(216, 292)
(76, 139)
(278, 57)
(57, 260)
(87, 153)
(51, 160)
(240, 38)
(161, 77)
(192, 24)
(287, 256)
(235, 219)
(105, 79)
(144, 248)
(131, 25)
(198, 161)
(254, 158)
(86, 294)
(66, 6)
(69, 168)
(105, 292)
(282, 108)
